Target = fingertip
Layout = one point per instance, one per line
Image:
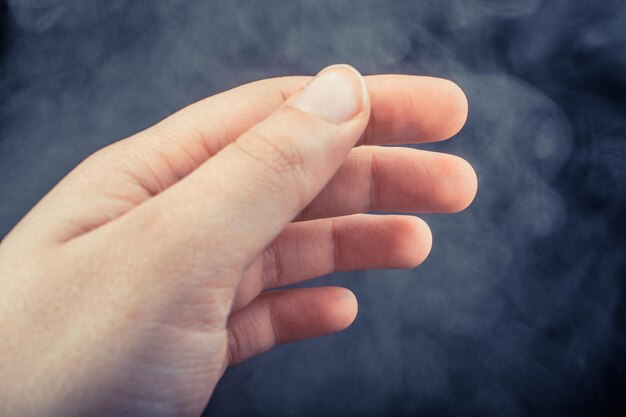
(452, 182)
(418, 242)
(471, 184)
(342, 310)
(453, 110)
(458, 108)
(465, 187)
(409, 242)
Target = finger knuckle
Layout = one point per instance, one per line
(277, 152)
(280, 155)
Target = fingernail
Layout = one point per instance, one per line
(336, 94)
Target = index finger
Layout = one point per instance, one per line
(405, 109)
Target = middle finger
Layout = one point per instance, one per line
(376, 178)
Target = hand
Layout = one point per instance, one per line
(140, 277)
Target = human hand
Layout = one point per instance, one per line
(140, 277)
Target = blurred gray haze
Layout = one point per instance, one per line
(520, 308)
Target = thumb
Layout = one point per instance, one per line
(241, 198)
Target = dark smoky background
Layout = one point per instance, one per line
(520, 309)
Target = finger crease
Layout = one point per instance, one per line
(271, 279)
(374, 200)
(274, 322)
(369, 134)
(427, 176)
(334, 237)
(234, 346)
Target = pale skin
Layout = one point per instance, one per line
(152, 267)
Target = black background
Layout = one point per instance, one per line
(520, 308)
